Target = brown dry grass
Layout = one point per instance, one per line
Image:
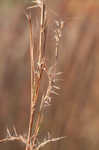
(75, 112)
(37, 70)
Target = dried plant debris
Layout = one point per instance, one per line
(38, 68)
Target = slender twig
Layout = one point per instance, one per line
(49, 141)
(32, 70)
(35, 84)
(41, 65)
(19, 138)
(37, 126)
(42, 6)
(14, 137)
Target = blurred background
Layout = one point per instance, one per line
(75, 112)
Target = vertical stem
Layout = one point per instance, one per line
(34, 95)
(42, 35)
(37, 127)
(31, 78)
(41, 29)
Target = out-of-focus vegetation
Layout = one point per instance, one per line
(11, 1)
(75, 111)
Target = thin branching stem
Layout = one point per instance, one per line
(35, 80)
(36, 73)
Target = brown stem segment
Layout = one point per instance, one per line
(32, 75)
(35, 78)
(42, 22)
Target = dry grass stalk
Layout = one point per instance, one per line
(36, 74)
